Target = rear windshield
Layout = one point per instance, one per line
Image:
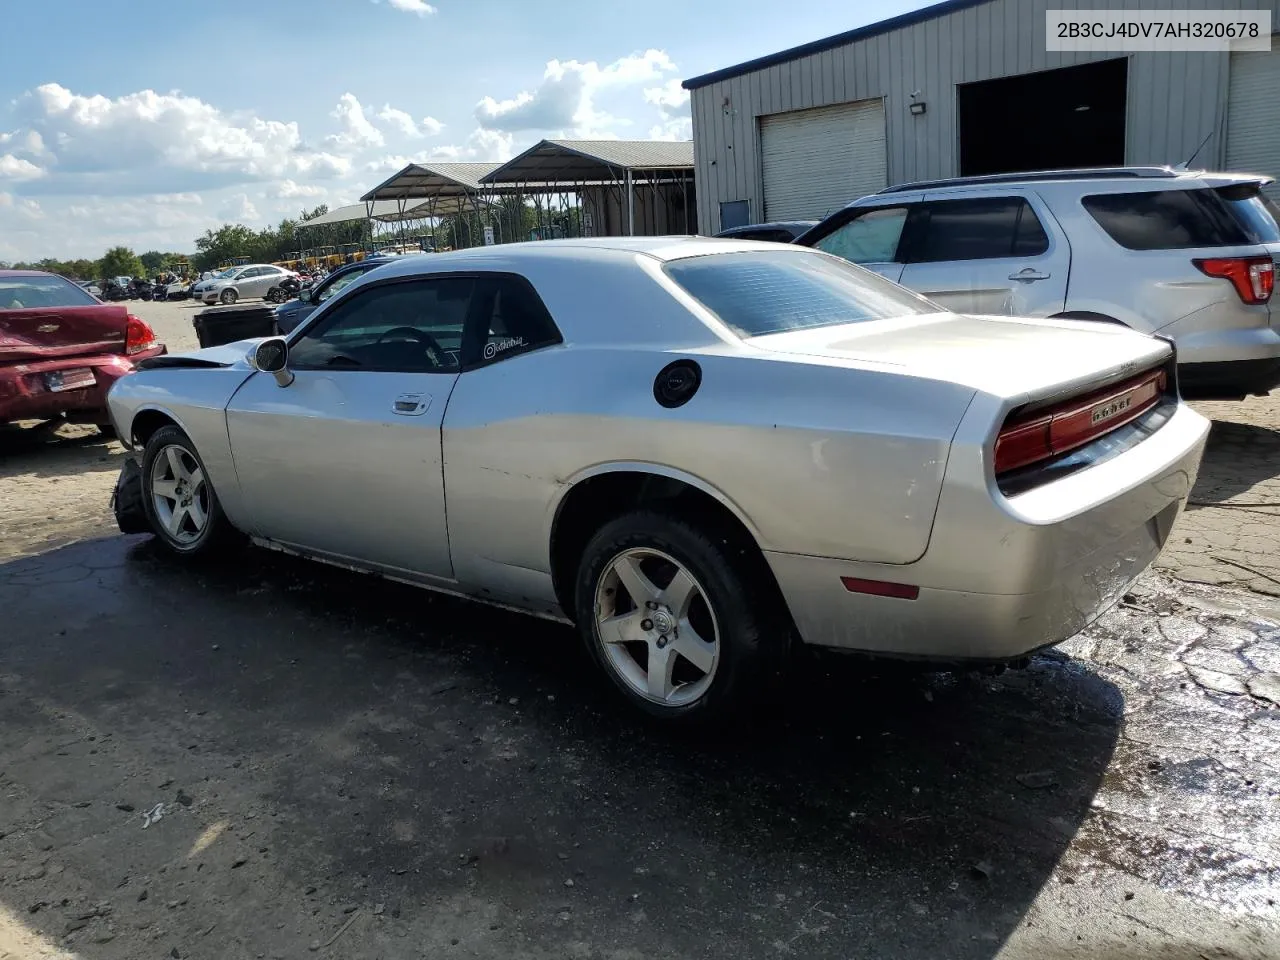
(1257, 212)
(1169, 219)
(19, 293)
(776, 290)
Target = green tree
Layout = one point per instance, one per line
(120, 262)
(153, 261)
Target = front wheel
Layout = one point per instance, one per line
(228, 297)
(681, 619)
(179, 500)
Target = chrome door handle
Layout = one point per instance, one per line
(1028, 275)
(411, 404)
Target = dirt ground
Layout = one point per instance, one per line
(345, 767)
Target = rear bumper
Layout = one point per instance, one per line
(996, 584)
(24, 394)
(1230, 379)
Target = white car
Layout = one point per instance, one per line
(240, 283)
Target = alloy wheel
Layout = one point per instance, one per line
(656, 626)
(180, 495)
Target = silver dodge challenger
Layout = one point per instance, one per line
(698, 451)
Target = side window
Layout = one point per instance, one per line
(870, 237)
(986, 228)
(414, 326)
(517, 319)
(1166, 219)
(338, 285)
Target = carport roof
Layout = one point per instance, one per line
(432, 180)
(393, 211)
(584, 161)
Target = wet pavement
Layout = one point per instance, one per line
(347, 767)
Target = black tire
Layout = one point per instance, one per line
(217, 535)
(753, 625)
(229, 297)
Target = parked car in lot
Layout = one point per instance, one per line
(239, 283)
(90, 287)
(293, 312)
(784, 231)
(695, 449)
(1187, 255)
(61, 349)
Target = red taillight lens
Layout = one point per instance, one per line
(1253, 277)
(138, 335)
(1075, 422)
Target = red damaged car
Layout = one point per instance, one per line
(61, 349)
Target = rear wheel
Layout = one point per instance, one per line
(228, 296)
(179, 500)
(678, 618)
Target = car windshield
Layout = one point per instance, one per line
(19, 293)
(777, 290)
(226, 274)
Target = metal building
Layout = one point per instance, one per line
(967, 87)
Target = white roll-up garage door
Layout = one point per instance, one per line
(816, 161)
(1253, 114)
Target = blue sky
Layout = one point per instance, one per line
(154, 122)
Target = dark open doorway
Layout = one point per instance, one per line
(1070, 117)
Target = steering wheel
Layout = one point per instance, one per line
(431, 345)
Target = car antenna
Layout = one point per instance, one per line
(1187, 165)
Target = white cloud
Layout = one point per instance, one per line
(420, 7)
(357, 132)
(6, 199)
(671, 99)
(400, 120)
(240, 209)
(147, 142)
(565, 99)
(679, 129)
(16, 168)
(287, 189)
(406, 125)
(178, 199)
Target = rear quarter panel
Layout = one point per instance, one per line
(823, 459)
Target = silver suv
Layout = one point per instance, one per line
(1191, 256)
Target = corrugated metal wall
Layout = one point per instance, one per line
(1175, 99)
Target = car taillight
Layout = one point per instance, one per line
(1075, 422)
(138, 335)
(1253, 277)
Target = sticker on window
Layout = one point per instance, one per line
(496, 347)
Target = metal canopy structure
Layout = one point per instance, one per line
(623, 187)
(429, 191)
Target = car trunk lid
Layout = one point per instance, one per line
(1016, 359)
(49, 333)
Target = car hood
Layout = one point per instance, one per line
(1010, 357)
(225, 355)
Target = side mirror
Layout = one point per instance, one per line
(272, 356)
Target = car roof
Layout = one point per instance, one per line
(26, 273)
(1123, 177)
(506, 255)
(771, 225)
